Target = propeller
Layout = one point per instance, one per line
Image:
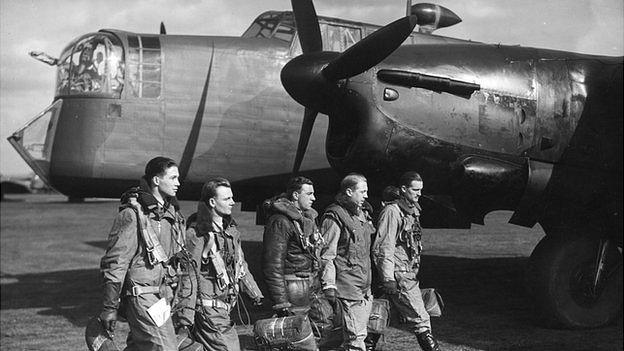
(309, 117)
(307, 26)
(371, 50)
(311, 78)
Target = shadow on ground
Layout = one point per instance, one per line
(486, 303)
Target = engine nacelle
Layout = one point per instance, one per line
(481, 185)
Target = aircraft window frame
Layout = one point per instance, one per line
(280, 30)
(261, 28)
(144, 66)
(272, 25)
(91, 65)
(295, 46)
(334, 38)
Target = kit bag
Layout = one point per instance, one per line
(433, 302)
(284, 333)
(379, 318)
(326, 322)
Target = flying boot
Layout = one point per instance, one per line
(427, 342)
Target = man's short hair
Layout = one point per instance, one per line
(158, 166)
(408, 177)
(350, 181)
(209, 189)
(295, 184)
(390, 193)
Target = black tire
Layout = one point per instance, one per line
(560, 274)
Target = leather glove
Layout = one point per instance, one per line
(285, 312)
(258, 301)
(110, 304)
(330, 295)
(390, 287)
(108, 320)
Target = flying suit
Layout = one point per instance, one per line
(210, 286)
(142, 281)
(396, 252)
(347, 231)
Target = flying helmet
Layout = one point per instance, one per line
(97, 338)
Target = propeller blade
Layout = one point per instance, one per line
(371, 50)
(307, 26)
(304, 137)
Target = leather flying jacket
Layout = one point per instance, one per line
(290, 243)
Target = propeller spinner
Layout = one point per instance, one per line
(312, 78)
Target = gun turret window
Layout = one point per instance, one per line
(91, 65)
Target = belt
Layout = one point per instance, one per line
(140, 290)
(215, 304)
(309, 277)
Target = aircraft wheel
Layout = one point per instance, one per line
(562, 272)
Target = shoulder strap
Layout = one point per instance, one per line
(210, 251)
(343, 217)
(155, 252)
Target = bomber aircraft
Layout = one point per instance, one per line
(490, 127)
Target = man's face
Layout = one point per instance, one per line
(223, 201)
(413, 191)
(169, 182)
(358, 194)
(304, 197)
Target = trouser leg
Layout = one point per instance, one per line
(144, 334)
(410, 305)
(214, 329)
(355, 316)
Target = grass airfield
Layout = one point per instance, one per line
(49, 281)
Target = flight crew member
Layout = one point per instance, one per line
(138, 265)
(290, 243)
(347, 228)
(218, 272)
(396, 252)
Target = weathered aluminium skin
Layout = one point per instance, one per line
(221, 111)
(532, 111)
(489, 127)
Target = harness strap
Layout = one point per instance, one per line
(140, 290)
(215, 304)
(210, 251)
(155, 252)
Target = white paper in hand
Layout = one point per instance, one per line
(160, 312)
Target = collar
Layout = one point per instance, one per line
(149, 202)
(282, 205)
(351, 207)
(408, 208)
(204, 220)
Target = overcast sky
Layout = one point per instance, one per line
(27, 86)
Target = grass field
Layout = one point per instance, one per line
(50, 252)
